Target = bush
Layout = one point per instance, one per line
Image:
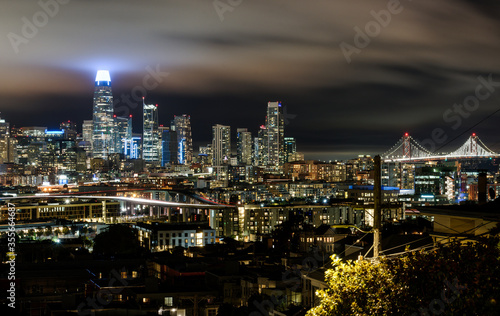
(450, 280)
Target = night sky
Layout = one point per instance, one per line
(224, 64)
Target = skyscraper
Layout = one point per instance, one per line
(260, 147)
(87, 134)
(123, 131)
(103, 133)
(221, 144)
(182, 126)
(244, 146)
(150, 133)
(275, 135)
(169, 146)
(290, 148)
(7, 143)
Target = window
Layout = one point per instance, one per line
(134, 274)
(174, 235)
(192, 234)
(186, 241)
(212, 312)
(124, 274)
(169, 301)
(167, 235)
(161, 235)
(185, 234)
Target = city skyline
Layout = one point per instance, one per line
(353, 77)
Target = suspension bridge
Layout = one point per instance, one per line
(407, 149)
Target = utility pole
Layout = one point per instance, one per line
(377, 204)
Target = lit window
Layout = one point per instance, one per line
(169, 301)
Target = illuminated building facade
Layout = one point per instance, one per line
(275, 130)
(103, 139)
(123, 127)
(132, 148)
(260, 147)
(221, 144)
(244, 146)
(150, 134)
(169, 146)
(182, 125)
(87, 134)
(290, 148)
(69, 129)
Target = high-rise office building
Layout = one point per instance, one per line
(87, 133)
(221, 144)
(123, 126)
(8, 144)
(182, 124)
(260, 147)
(150, 133)
(4, 128)
(103, 123)
(69, 129)
(290, 148)
(244, 146)
(275, 135)
(169, 146)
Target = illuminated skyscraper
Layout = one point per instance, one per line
(221, 144)
(260, 147)
(103, 134)
(169, 146)
(275, 135)
(182, 126)
(290, 148)
(87, 133)
(150, 133)
(244, 146)
(123, 126)
(7, 143)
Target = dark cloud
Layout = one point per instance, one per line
(425, 60)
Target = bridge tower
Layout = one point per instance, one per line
(473, 144)
(406, 146)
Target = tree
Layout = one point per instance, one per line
(118, 240)
(48, 231)
(451, 280)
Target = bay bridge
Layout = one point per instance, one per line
(407, 149)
